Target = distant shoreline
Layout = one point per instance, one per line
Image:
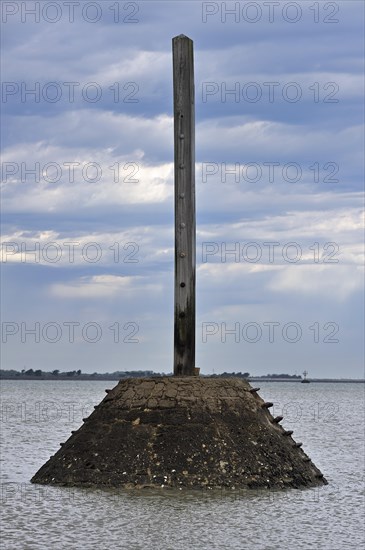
(314, 380)
(111, 378)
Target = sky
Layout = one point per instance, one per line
(88, 187)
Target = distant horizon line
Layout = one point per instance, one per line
(6, 374)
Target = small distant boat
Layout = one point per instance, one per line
(305, 379)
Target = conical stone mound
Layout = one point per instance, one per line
(181, 432)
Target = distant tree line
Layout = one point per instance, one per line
(73, 374)
(248, 375)
(79, 375)
(231, 374)
(296, 376)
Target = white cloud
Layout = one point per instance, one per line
(333, 282)
(102, 286)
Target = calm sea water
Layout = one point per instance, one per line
(327, 418)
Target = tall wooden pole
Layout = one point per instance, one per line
(184, 153)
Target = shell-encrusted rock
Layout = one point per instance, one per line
(181, 432)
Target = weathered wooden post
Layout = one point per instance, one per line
(184, 153)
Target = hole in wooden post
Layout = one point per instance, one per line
(182, 314)
(182, 285)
